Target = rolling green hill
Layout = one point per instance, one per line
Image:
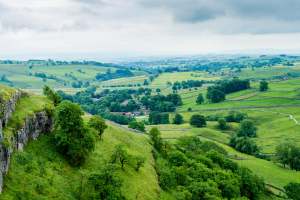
(21, 74)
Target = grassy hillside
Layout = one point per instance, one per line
(18, 74)
(41, 173)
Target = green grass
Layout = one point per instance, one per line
(181, 76)
(191, 103)
(264, 73)
(245, 96)
(58, 180)
(240, 93)
(294, 81)
(276, 94)
(7, 92)
(282, 86)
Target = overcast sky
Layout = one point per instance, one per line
(156, 26)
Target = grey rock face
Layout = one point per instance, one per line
(32, 127)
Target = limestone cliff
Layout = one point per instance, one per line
(34, 125)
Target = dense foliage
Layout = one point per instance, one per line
(162, 103)
(293, 190)
(73, 137)
(199, 170)
(156, 117)
(178, 119)
(198, 120)
(217, 93)
(288, 154)
(118, 74)
(263, 86)
(137, 125)
(54, 96)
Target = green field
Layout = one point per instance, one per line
(240, 93)
(18, 74)
(181, 76)
(191, 103)
(276, 94)
(273, 128)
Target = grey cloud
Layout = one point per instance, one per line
(192, 11)
(44, 20)
(97, 2)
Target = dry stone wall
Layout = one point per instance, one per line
(125, 128)
(31, 128)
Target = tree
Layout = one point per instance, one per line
(174, 87)
(157, 90)
(54, 96)
(139, 162)
(107, 184)
(73, 137)
(200, 99)
(198, 120)
(263, 86)
(154, 133)
(247, 129)
(98, 123)
(177, 158)
(293, 190)
(165, 119)
(169, 83)
(137, 126)
(178, 119)
(146, 82)
(222, 123)
(217, 96)
(123, 157)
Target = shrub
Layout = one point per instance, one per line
(247, 129)
(263, 86)
(198, 120)
(222, 123)
(178, 119)
(137, 125)
(293, 190)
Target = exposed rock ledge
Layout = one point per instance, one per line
(32, 127)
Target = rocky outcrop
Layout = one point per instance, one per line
(31, 128)
(8, 106)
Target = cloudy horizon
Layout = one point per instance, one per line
(150, 26)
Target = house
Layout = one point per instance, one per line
(125, 102)
(95, 99)
(143, 107)
(127, 114)
(117, 113)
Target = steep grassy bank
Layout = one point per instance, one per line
(41, 173)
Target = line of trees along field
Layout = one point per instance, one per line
(217, 93)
